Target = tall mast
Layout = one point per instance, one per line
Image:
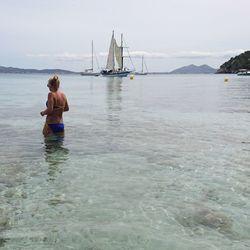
(142, 64)
(92, 52)
(113, 37)
(122, 52)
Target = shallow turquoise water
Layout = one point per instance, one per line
(158, 162)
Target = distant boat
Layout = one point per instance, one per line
(243, 72)
(142, 68)
(115, 56)
(90, 72)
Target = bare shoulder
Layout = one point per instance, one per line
(63, 95)
(50, 94)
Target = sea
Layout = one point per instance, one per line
(157, 162)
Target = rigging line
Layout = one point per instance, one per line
(129, 55)
(145, 64)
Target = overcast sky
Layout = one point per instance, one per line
(169, 33)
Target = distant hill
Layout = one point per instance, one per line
(158, 73)
(34, 71)
(236, 63)
(193, 69)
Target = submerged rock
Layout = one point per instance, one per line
(193, 217)
(213, 219)
(4, 220)
(2, 241)
(57, 199)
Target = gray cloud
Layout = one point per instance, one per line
(66, 56)
(207, 54)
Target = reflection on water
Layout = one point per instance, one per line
(55, 154)
(114, 99)
(114, 108)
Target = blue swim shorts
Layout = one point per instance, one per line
(57, 128)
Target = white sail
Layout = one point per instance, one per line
(118, 55)
(110, 62)
(114, 65)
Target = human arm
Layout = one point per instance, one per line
(66, 107)
(49, 109)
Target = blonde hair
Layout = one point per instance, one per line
(54, 82)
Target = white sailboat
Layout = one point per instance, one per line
(142, 72)
(115, 56)
(90, 72)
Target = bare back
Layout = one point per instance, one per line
(57, 102)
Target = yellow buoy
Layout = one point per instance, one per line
(226, 79)
(131, 77)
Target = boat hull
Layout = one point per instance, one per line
(122, 73)
(246, 73)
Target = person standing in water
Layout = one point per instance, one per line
(56, 104)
